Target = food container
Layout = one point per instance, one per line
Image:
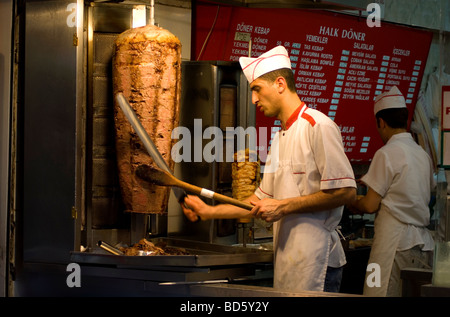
(441, 265)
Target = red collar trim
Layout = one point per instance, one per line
(294, 116)
(308, 118)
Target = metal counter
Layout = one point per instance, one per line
(172, 275)
(201, 254)
(236, 290)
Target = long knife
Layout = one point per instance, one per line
(180, 194)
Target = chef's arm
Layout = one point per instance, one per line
(369, 204)
(322, 200)
(273, 210)
(194, 207)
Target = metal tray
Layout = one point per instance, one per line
(201, 254)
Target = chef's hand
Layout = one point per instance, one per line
(189, 213)
(195, 209)
(267, 209)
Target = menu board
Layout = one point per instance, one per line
(339, 62)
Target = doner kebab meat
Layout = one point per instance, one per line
(151, 249)
(147, 71)
(245, 172)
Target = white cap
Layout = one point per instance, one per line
(274, 59)
(390, 99)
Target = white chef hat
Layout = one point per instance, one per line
(274, 59)
(390, 99)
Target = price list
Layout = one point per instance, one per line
(339, 63)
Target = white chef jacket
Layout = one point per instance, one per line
(306, 157)
(401, 173)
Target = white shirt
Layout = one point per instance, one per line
(401, 173)
(311, 158)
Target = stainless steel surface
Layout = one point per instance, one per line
(245, 291)
(103, 216)
(200, 109)
(47, 158)
(7, 148)
(206, 263)
(201, 254)
(109, 248)
(193, 283)
(154, 275)
(151, 148)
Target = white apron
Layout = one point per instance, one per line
(388, 233)
(300, 262)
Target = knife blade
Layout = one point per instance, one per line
(179, 193)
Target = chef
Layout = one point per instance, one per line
(307, 181)
(399, 181)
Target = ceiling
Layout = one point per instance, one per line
(301, 4)
(347, 5)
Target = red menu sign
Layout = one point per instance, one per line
(340, 63)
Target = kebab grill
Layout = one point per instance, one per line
(153, 92)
